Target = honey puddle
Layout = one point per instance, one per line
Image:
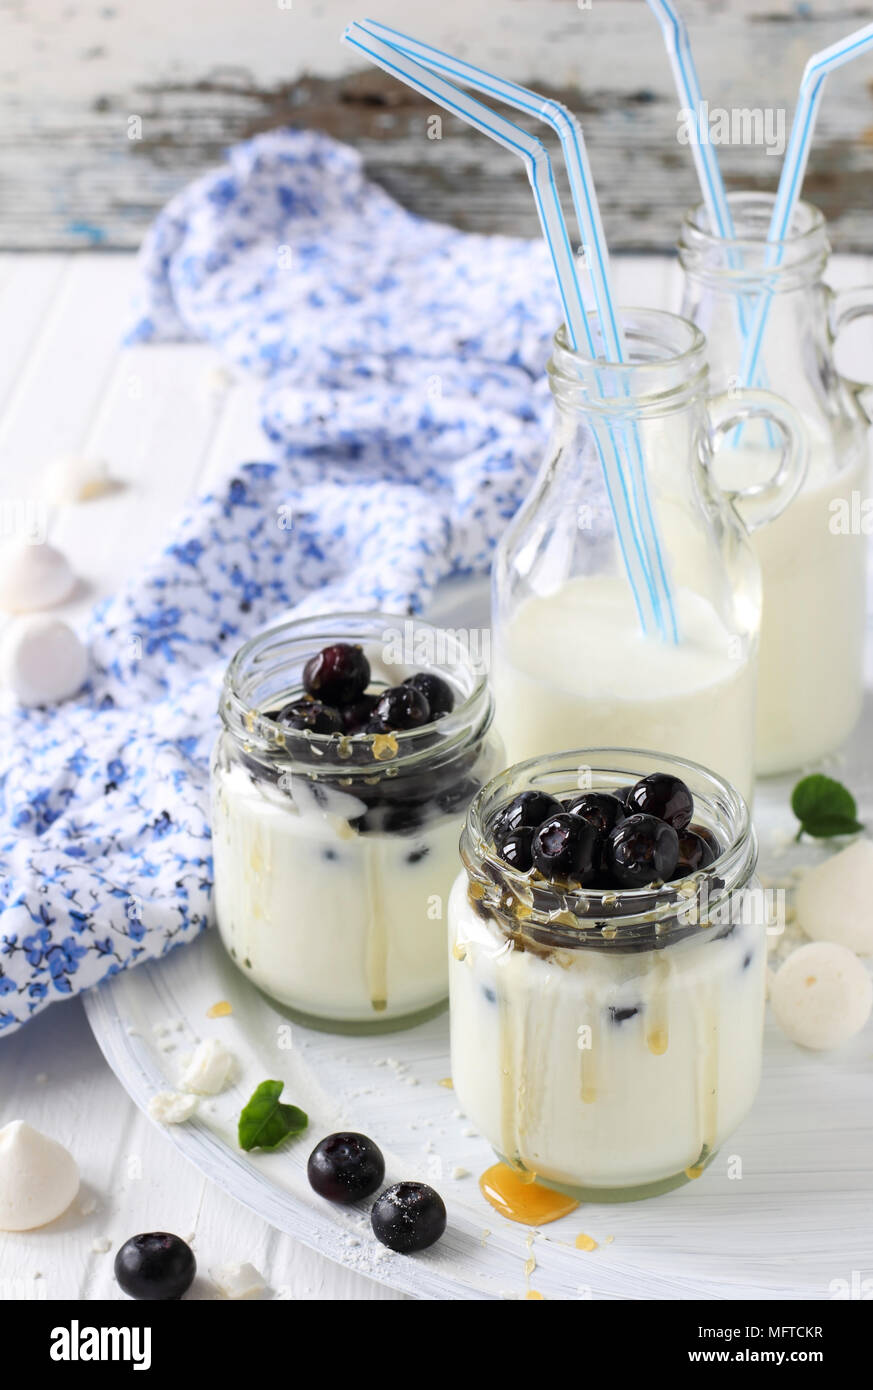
(519, 1198)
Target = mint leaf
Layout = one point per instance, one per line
(824, 807)
(265, 1122)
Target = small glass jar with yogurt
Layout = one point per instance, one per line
(334, 854)
(607, 1040)
(571, 663)
(813, 556)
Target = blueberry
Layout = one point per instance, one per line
(600, 808)
(515, 847)
(311, 715)
(408, 1216)
(338, 674)
(567, 847)
(357, 715)
(345, 1168)
(620, 1014)
(528, 808)
(155, 1266)
(436, 691)
(694, 853)
(663, 796)
(416, 855)
(641, 850)
(708, 839)
(622, 793)
(402, 707)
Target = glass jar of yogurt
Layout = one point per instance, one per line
(333, 854)
(810, 665)
(606, 1041)
(570, 662)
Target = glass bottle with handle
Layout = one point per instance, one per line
(570, 664)
(813, 555)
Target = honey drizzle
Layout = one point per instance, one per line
(519, 1198)
(658, 1030)
(377, 934)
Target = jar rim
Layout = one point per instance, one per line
(300, 638)
(676, 370)
(695, 221)
(629, 912)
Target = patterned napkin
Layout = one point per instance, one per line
(403, 412)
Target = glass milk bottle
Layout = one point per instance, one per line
(570, 665)
(813, 555)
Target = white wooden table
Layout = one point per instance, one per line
(155, 415)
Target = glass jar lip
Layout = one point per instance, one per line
(264, 735)
(696, 218)
(632, 319)
(624, 908)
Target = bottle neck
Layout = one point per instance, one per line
(748, 263)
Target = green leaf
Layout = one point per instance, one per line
(265, 1122)
(824, 807)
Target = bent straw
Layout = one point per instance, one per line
(402, 62)
(681, 58)
(794, 167)
(712, 187)
(582, 189)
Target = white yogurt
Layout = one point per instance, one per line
(810, 660)
(332, 923)
(600, 1069)
(573, 669)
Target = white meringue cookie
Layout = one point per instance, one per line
(75, 478)
(821, 995)
(38, 1178)
(42, 660)
(172, 1107)
(33, 577)
(834, 900)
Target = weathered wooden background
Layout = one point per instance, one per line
(203, 73)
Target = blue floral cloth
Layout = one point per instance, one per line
(403, 415)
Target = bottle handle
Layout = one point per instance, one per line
(762, 502)
(844, 307)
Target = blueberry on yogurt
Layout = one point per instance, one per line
(311, 715)
(567, 847)
(602, 809)
(515, 847)
(402, 707)
(436, 691)
(528, 808)
(663, 796)
(641, 850)
(338, 674)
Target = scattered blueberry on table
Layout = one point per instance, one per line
(155, 1266)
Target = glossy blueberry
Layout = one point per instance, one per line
(402, 707)
(357, 715)
(694, 853)
(622, 793)
(528, 808)
(708, 839)
(567, 848)
(621, 1013)
(602, 809)
(409, 1216)
(515, 847)
(663, 796)
(641, 850)
(346, 1167)
(338, 674)
(311, 715)
(436, 691)
(155, 1266)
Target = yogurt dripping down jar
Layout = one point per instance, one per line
(813, 556)
(570, 661)
(334, 856)
(606, 1042)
